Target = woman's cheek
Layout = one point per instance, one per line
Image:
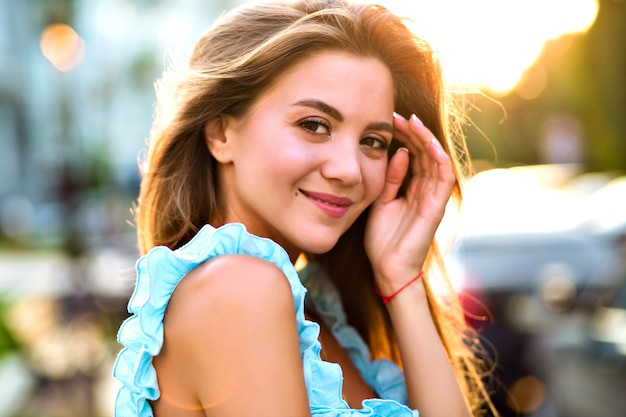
(377, 179)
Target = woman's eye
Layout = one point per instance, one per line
(375, 142)
(316, 126)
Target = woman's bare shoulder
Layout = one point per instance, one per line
(234, 278)
(230, 329)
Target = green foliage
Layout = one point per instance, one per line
(8, 344)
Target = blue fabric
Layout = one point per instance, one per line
(160, 271)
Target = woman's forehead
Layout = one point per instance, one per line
(334, 77)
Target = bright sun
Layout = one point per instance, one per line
(490, 43)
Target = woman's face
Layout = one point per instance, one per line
(311, 153)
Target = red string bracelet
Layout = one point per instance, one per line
(387, 298)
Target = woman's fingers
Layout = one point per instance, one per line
(445, 174)
(430, 161)
(396, 171)
(403, 133)
(423, 135)
(415, 136)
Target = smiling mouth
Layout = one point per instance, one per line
(331, 200)
(332, 205)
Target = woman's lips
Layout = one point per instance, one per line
(333, 205)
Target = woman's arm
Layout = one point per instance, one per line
(431, 382)
(398, 237)
(231, 343)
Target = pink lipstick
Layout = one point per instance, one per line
(334, 206)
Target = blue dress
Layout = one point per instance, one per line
(161, 270)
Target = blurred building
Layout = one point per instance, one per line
(76, 98)
(76, 105)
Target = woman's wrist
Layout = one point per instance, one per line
(390, 296)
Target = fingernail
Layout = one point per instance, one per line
(417, 120)
(397, 115)
(402, 148)
(437, 143)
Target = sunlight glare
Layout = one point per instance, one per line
(490, 43)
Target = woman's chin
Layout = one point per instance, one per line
(317, 248)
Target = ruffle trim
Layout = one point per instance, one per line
(383, 375)
(158, 274)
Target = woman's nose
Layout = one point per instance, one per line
(342, 161)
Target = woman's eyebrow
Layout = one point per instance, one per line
(321, 106)
(336, 114)
(387, 127)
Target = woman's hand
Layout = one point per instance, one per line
(400, 230)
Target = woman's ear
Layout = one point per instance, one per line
(216, 140)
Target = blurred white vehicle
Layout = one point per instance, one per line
(518, 235)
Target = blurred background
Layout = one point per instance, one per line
(540, 254)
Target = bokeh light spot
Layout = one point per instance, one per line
(532, 83)
(559, 293)
(62, 46)
(527, 394)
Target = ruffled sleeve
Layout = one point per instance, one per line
(158, 274)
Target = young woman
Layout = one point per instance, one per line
(309, 131)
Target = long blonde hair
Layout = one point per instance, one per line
(231, 65)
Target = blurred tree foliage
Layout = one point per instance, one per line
(581, 77)
(8, 344)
